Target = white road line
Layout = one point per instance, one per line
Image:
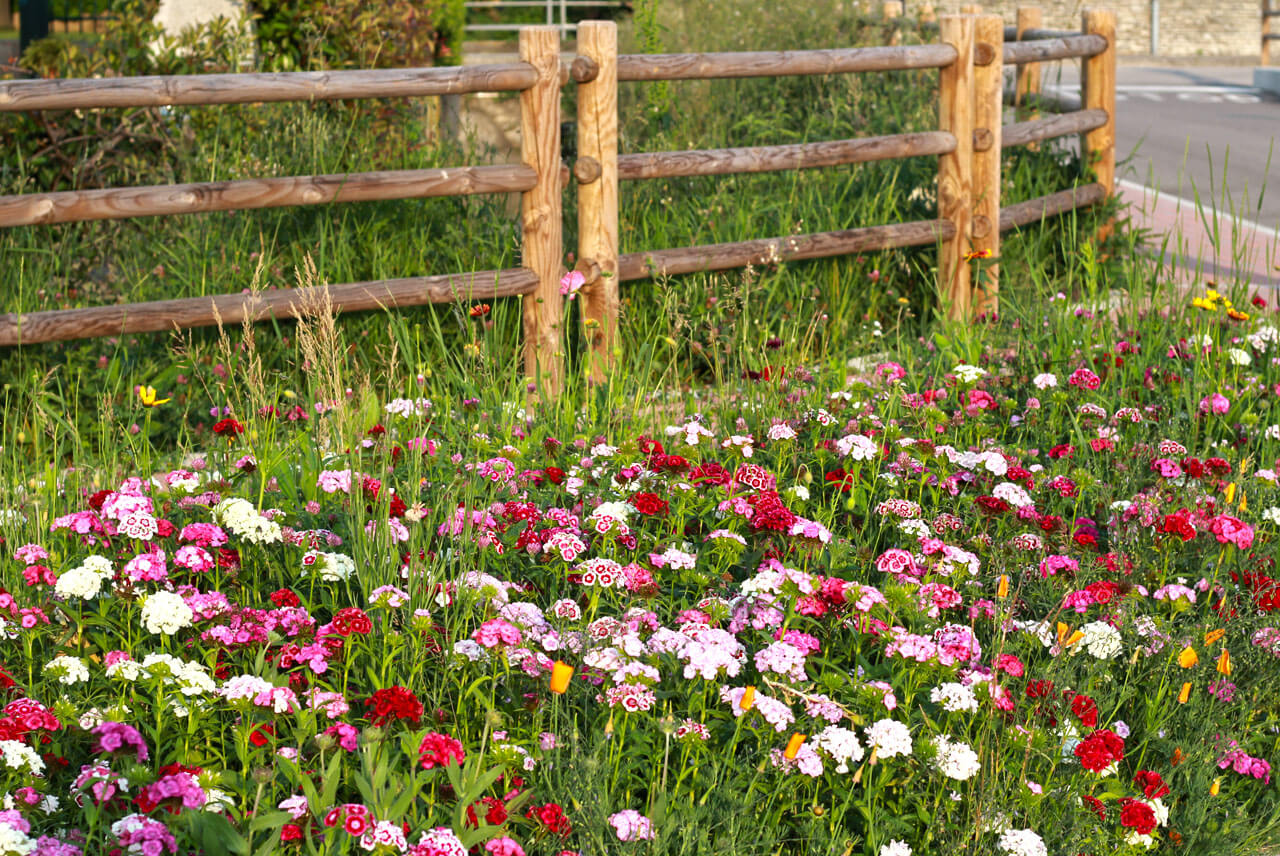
(1181, 202)
(1223, 89)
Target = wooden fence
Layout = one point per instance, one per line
(971, 57)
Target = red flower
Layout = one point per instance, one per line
(284, 597)
(840, 478)
(992, 505)
(650, 503)
(262, 735)
(290, 832)
(1095, 805)
(1153, 786)
(1086, 710)
(770, 513)
(96, 501)
(552, 817)
(1178, 524)
(1039, 689)
(393, 703)
(709, 473)
(440, 750)
(1138, 816)
(227, 427)
(555, 475)
(1066, 450)
(1099, 750)
(350, 620)
(495, 815)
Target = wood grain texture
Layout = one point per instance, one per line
(122, 202)
(792, 156)
(774, 63)
(1026, 77)
(598, 199)
(819, 245)
(540, 209)
(184, 313)
(955, 170)
(1044, 50)
(1042, 207)
(204, 89)
(1059, 125)
(988, 117)
(1098, 92)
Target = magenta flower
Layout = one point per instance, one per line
(631, 825)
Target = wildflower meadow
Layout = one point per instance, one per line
(1007, 590)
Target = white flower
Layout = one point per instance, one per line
(889, 738)
(857, 447)
(1272, 515)
(781, 431)
(895, 848)
(1012, 494)
(241, 518)
(1101, 640)
(20, 756)
(603, 450)
(1021, 842)
(332, 567)
(86, 580)
(165, 612)
(839, 743)
(15, 841)
(1239, 357)
(1044, 381)
(1272, 432)
(955, 760)
(404, 407)
(68, 670)
(954, 697)
(967, 373)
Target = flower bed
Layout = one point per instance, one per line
(1021, 606)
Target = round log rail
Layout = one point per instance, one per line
(1043, 207)
(1011, 34)
(1042, 50)
(122, 202)
(160, 315)
(1021, 133)
(773, 63)
(244, 88)
(795, 156)
(632, 266)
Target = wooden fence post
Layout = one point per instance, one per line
(1264, 55)
(541, 241)
(1027, 76)
(955, 178)
(892, 9)
(598, 199)
(1098, 84)
(988, 103)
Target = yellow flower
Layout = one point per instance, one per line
(148, 396)
(1185, 694)
(748, 698)
(793, 746)
(977, 254)
(1237, 315)
(1213, 636)
(560, 675)
(1224, 663)
(1201, 303)
(1215, 787)
(1002, 590)
(1230, 493)
(1188, 657)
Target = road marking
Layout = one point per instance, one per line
(1156, 195)
(1212, 94)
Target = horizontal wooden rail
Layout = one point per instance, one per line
(819, 245)
(773, 63)
(118, 203)
(795, 156)
(209, 89)
(1021, 133)
(1043, 50)
(161, 315)
(1036, 33)
(1043, 207)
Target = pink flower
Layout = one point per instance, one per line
(1084, 379)
(504, 847)
(631, 825)
(1230, 530)
(1216, 403)
(571, 282)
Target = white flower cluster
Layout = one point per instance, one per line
(405, 407)
(1013, 494)
(86, 580)
(1021, 842)
(955, 759)
(14, 840)
(67, 670)
(242, 519)
(857, 447)
(954, 697)
(165, 612)
(192, 679)
(1101, 640)
(332, 567)
(896, 847)
(889, 738)
(968, 374)
(20, 756)
(841, 744)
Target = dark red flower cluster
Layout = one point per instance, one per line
(1138, 816)
(552, 818)
(1152, 784)
(1178, 524)
(440, 750)
(555, 475)
(991, 505)
(709, 473)
(840, 478)
(495, 812)
(227, 427)
(1086, 710)
(351, 619)
(650, 504)
(1095, 805)
(769, 512)
(394, 702)
(284, 597)
(1100, 750)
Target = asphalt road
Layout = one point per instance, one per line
(1196, 132)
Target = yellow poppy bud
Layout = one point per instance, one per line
(748, 698)
(1230, 493)
(793, 747)
(1244, 505)
(1073, 638)
(1213, 636)
(1188, 657)
(1177, 757)
(560, 675)
(1185, 694)
(1224, 663)
(1063, 630)
(1002, 590)
(1215, 787)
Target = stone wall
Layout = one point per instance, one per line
(1187, 28)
